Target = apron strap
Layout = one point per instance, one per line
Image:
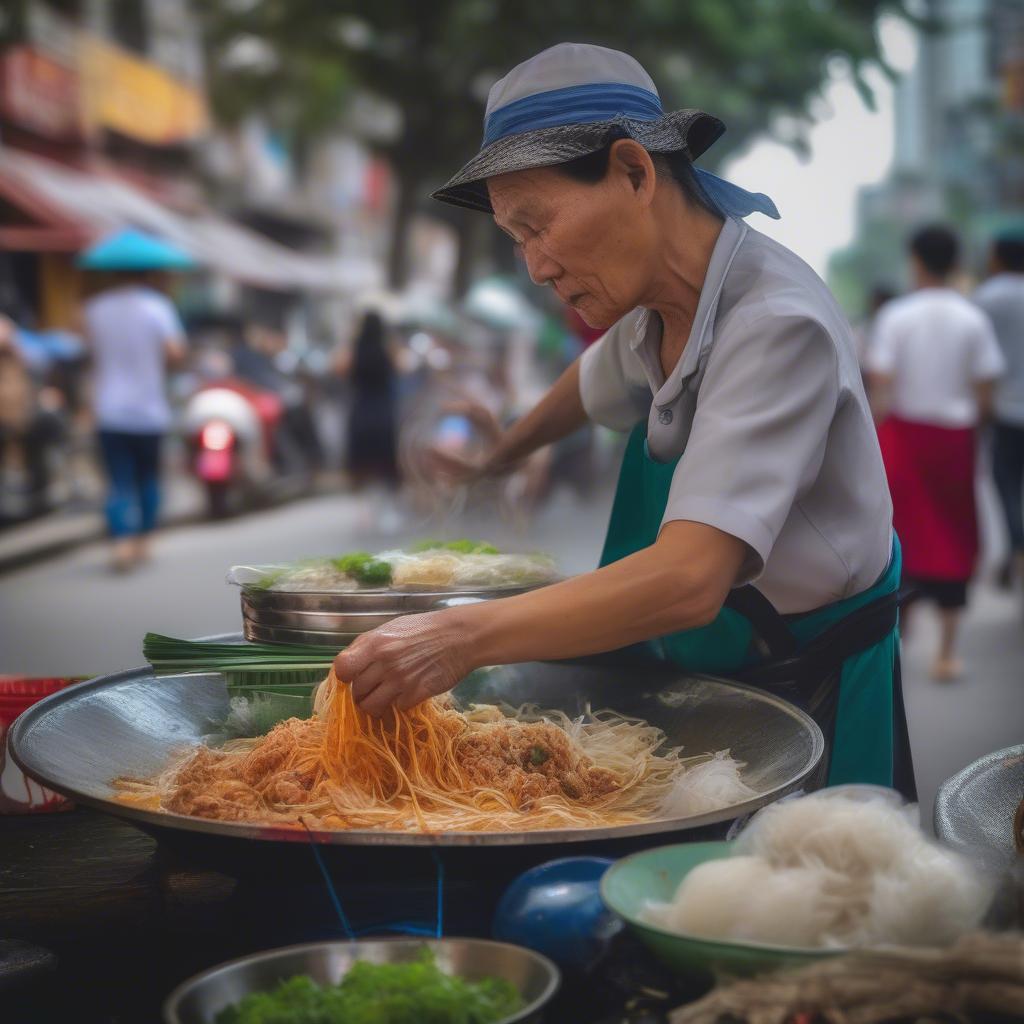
(775, 638)
(856, 632)
(782, 659)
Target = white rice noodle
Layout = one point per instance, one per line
(707, 787)
(831, 872)
(441, 568)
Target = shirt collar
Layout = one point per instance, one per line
(647, 329)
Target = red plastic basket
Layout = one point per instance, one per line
(19, 794)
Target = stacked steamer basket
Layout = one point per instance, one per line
(315, 612)
(332, 619)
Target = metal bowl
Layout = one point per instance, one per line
(331, 620)
(284, 635)
(974, 810)
(80, 739)
(352, 601)
(200, 999)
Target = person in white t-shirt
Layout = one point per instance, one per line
(134, 334)
(1002, 298)
(932, 364)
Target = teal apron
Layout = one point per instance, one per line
(867, 711)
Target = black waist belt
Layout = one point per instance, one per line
(786, 666)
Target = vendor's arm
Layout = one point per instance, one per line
(556, 415)
(757, 442)
(679, 582)
(605, 385)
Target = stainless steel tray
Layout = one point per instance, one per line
(329, 622)
(330, 619)
(285, 635)
(79, 739)
(355, 601)
(200, 999)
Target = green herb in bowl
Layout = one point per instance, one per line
(416, 992)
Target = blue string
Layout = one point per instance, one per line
(346, 927)
(440, 893)
(405, 927)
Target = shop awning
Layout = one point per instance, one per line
(70, 209)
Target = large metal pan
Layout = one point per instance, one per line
(81, 738)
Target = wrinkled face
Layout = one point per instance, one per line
(593, 243)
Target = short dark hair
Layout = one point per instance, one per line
(1009, 252)
(937, 247)
(592, 167)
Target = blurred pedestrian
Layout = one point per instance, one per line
(30, 424)
(134, 334)
(933, 363)
(372, 433)
(877, 298)
(1002, 298)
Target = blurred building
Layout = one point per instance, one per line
(104, 123)
(959, 144)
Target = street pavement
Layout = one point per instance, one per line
(70, 616)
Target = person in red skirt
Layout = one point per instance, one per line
(932, 363)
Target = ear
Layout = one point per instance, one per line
(630, 162)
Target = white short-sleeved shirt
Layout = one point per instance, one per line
(128, 330)
(767, 415)
(1002, 298)
(935, 345)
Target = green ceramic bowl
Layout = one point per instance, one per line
(655, 875)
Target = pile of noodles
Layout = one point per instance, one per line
(434, 768)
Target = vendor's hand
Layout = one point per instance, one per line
(456, 468)
(479, 415)
(406, 661)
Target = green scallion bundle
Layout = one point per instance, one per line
(280, 667)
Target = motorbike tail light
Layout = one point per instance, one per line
(217, 436)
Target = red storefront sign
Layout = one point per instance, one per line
(39, 93)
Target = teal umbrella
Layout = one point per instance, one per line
(130, 249)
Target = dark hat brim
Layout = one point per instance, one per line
(690, 131)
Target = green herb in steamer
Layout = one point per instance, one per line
(464, 546)
(364, 568)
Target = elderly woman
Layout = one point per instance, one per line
(752, 458)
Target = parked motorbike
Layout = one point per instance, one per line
(229, 427)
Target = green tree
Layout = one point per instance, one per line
(745, 60)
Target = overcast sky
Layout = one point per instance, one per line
(851, 146)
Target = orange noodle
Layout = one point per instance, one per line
(430, 768)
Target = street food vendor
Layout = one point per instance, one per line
(751, 532)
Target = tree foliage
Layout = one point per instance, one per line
(747, 61)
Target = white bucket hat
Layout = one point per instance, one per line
(566, 102)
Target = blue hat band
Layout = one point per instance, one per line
(575, 104)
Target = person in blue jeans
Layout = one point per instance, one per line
(134, 336)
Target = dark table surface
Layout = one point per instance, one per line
(98, 923)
